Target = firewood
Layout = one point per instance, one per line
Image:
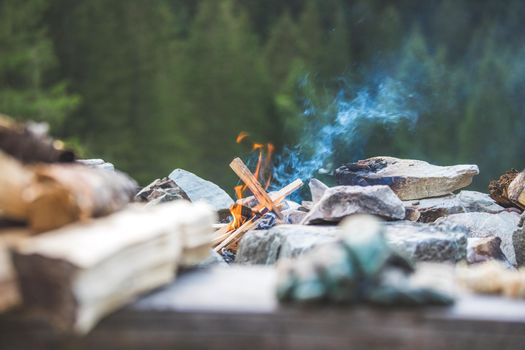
(247, 226)
(76, 275)
(62, 194)
(251, 182)
(14, 180)
(9, 293)
(29, 142)
(509, 189)
(278, 196)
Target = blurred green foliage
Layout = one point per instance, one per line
(156, 85)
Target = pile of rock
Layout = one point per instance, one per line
(429, 216)
(425, 218)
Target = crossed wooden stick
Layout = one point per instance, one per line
(226, 238)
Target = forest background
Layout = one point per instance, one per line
(153, 85)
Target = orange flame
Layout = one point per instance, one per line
(263, 173)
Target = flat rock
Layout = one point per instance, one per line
(502, 225)
(341, 201)
(199, 189)
(431, 209)
(409, 179)
(421, 242)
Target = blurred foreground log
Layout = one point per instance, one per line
(30, 143)
(75, 275)
(49, 196)
(509, 189)
(63, 194)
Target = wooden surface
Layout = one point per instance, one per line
(234, 308)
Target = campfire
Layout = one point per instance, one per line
(249, 212)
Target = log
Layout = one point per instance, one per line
(255, 187)
(76, 275)
(509, 189)
(29, 142)
(62, 194)
(49, 196)
(9, 293)
(14, 180)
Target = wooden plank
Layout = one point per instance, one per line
(235, 307)
(253, 184)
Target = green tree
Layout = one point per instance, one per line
(222, 87)
(28, 87)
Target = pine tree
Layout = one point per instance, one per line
(28, 88)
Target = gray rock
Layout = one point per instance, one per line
(428, 242)
(410, 179)
(294, 216)
(502, 225)
(484, 249)
(215, 259)
(97, 163)
(161, 191)
(341, 201)
(199, 189)
(283, 241)
(317, 189)
(421, 242)
(464, 202)
(518, 240)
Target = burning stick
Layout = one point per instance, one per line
(225, 236)
(251, 182)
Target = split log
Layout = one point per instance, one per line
(509, 189)
(9, 293)
(49, 196)
(29, 142)
(75, 275)
(14, 180)
(63, 194)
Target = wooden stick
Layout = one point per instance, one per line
(258, 191)
(247, 226)
(278, 196)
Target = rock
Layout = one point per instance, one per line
(293, 216)
(428, 242)
(502, 225)
(412, 214)
(283, 241)
(409, 179)
(420, 242)
(215, 259)
(160, 191)
(484, 249)
(317, 189)
(199, 189)
(518, 240)
(97, 163)
(464, 202)
(341, 201)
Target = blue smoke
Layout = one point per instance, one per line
(340, 125)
